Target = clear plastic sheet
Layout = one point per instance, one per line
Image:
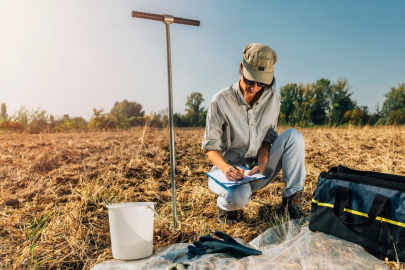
(287, 246)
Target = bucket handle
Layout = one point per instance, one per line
(154, 211)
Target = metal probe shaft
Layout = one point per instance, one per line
(167, 20)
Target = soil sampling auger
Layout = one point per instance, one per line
(168, 20)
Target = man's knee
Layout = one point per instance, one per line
(236, 199)
(293, 137)
(236, 205)
(294, 134)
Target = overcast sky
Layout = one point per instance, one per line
(69, 57)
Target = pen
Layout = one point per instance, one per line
(230, 163)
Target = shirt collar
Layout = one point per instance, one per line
(238, 94)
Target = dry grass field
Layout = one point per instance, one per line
(54, 188)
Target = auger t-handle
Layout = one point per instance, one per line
(161, 18)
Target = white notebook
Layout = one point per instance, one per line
(220, 178)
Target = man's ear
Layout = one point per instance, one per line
(240, 66)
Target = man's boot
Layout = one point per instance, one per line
(293, 206)
(227, 217)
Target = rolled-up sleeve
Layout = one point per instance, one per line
(213, 129)
(271, 136)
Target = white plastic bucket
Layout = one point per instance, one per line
(131, 229)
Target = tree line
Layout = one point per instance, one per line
(122, 116)
(321, 103)
(330, 104)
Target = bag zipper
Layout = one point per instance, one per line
(393, 184)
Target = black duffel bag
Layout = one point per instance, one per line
(367, 208)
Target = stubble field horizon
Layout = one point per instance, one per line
(54, 187)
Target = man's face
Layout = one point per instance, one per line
(249, 90)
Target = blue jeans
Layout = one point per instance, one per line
(288, 154)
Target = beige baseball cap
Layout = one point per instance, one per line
(258, 63)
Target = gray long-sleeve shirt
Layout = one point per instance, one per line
(236, 129)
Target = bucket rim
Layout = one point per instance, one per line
(129, 204)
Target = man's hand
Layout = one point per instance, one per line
(234, 174)
(255, 169)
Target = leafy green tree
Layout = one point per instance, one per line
(156, 120)
(194, 109)
(136, 121)
(99, 120)
(396, 117)
(288, 93)
(341, 101)
(302, 104)
(79, 123)
(117, 121)
(128, 109)
(296, 104)
(194, 101)
(178, 120)
(393, 106)
(356, 116)
(320, 105)
(192, 119)
(203, 118)
(69, 124)
(365, 119)
(375, 117)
